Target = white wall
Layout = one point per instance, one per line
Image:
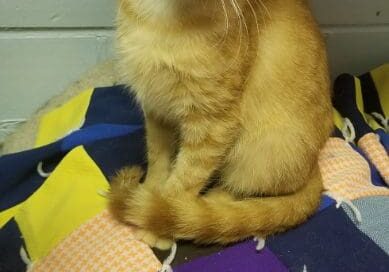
(46, 44)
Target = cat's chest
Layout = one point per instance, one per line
(164, 71)
(151, 56)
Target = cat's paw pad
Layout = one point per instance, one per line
(153, 240)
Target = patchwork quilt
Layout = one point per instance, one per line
(53, 213)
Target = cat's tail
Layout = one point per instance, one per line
(215, 217)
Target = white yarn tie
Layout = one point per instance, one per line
(348, 131)
(261, 243)
(167, 264)
(384, 121)
(340, 200)
(25, 259)
(102, 193)
(6, 124)
(305, 268)
(41, 172)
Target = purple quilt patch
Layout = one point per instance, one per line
(241, 257)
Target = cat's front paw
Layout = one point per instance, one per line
(153, 240)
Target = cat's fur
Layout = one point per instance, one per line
(233, 88)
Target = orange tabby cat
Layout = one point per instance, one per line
(233, 88)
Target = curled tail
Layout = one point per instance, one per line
(216, 217)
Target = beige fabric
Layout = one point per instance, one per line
(101, 244)
(346, 173)
(376, 153)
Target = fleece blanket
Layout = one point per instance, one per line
(53, 213)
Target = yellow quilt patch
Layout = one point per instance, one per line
(67, 199)
(381, 81)
(7, 215)
(63, 120)
(338, 119)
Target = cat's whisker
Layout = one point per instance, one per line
(264, 7)
(242, 17)
(242, 21)
(236, 10)
(226, 18)
(264, 12)
(226, 25)
(254, 14)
